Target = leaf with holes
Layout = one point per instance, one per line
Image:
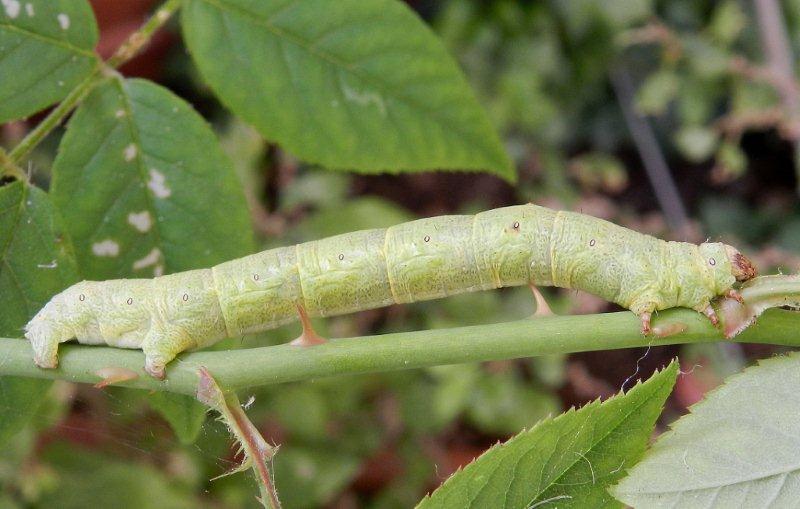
(355, 84)
(145, 189)
(46, 48)
(568, 461)
(737, 448)
(35, 263)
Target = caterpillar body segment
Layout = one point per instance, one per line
(419, 260)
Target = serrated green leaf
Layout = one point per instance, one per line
(355, 84)
(46, 48)
(145, 189)
(737, 448)
(35, 263)
(569, 461)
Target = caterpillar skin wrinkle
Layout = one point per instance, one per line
(419, 260)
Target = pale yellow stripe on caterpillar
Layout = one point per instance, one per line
(302, 300)
(552, 247)
(230, 333)
(388, 271)
(481, 256)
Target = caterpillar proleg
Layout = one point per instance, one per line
(419, 260)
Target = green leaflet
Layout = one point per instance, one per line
(46, 48)
(145, 189)
(35, 262)
(737, 448)
(354, 84)
(568, 461)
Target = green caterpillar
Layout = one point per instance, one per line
(420, 260)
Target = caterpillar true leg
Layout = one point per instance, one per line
(645, 317)
(735, 295)
(309, 336)
(711, 314)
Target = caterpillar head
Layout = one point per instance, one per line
(726, 265)
(741, 266)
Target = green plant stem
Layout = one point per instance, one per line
(139, 39)
(8, 168)
(132, 46)
(237, 369)
(54, 118)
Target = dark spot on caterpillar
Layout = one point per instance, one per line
(592, 243)
(427, 238)
(255, 277)
(341, 256)
(516, 225)
(185, 297)
(81, 297)
(712, 262)
(130, 301)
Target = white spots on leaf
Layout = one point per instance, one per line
(106, 247)
(151, 258)
(63, 21)
(60, 83)
(52, 265)
(162, 15)
(129, 154)
(157, 184)
(29, 10)
(364, 98)
(12, 8)
(142, 221)
(119, 113)
(158, 270)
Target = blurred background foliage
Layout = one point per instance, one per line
(553, 76)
